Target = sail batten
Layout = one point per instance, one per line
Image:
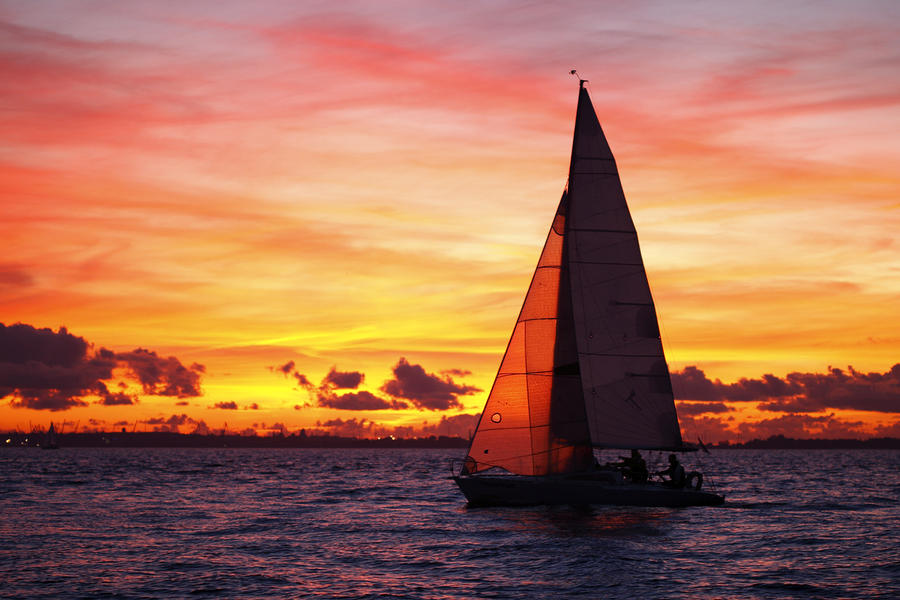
(584, 366)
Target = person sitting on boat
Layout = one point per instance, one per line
(675, 473)
(632, 467)
(636, 467)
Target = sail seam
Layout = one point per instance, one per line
(550, 372)
(548, 451)
(620, 264)
(520, 427)
(659, 448)
(620, 354)
(616, 349)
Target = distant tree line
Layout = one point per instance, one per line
(780, 442)
(160, 439)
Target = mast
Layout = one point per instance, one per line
(625, 379)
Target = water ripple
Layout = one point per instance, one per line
(264, 523)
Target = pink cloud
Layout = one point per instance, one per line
(387, 66)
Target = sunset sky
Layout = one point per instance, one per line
(325, 215)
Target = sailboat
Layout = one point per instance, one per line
(50, 442)
(584, 367)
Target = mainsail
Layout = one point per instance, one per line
(584, 366)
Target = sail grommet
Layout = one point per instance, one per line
(496, 417)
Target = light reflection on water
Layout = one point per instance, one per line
(389, 523)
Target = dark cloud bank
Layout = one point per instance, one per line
(425, 390)
(43, 369)
(799, 403)
(796, 392)
(705, 406)
(410, 386)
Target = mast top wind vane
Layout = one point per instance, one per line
(581, 81)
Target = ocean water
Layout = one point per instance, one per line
(384, 523)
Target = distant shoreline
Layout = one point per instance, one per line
(189, 440)
(156, 439)
(779, 442)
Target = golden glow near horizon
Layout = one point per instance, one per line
(347, 189)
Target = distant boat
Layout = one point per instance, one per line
(50, 440)
(584, 367)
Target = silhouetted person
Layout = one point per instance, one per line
(636, 467)
(633, 467)
(675, 473)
